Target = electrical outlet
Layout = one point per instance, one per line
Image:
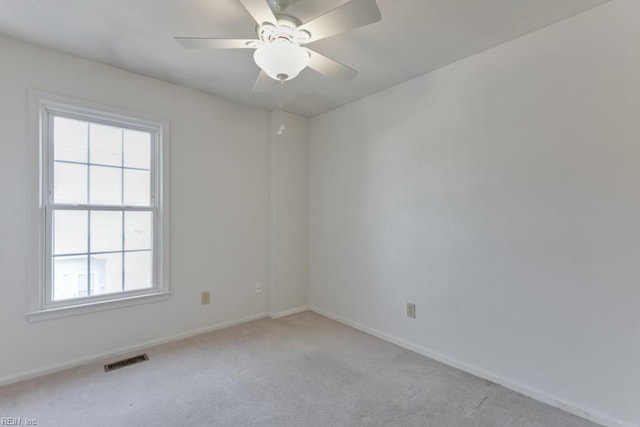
(205, 297)
(259, 288)
(411, 311)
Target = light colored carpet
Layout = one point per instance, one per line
(301, 370)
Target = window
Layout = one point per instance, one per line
(102, 209)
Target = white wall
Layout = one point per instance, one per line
(289, 197)
(501, 195)
(220, 164)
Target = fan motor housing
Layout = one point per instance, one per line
(286, 29)
(281, 5)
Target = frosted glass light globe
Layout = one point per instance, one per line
(281, 59)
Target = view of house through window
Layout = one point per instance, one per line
(100, 212)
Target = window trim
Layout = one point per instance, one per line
(41, 104)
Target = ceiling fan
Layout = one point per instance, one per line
(279, 48)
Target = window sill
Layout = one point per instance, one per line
(54, 313)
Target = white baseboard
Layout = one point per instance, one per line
(101, 356)
(289, 312)
(549, 399)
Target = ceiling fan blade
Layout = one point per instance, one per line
(209, 43)
(353, 14)
(264, 83)
(260, 11)
(330, 68)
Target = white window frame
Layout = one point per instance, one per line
(41, 106)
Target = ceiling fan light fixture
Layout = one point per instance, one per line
(281, 59)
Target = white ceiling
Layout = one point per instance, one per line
(413, 38)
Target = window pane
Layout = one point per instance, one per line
(106, 185)
(69, 140)
(137, 188)
(69, 232)
(106, 231)
(137, 270)
(95, 246)
(137, 230)
(137, 149)
(105, 145)
(106, 273)
(69, 277)
(70, 183)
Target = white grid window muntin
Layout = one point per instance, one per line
(99, 181)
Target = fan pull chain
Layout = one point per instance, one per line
(282, 128)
